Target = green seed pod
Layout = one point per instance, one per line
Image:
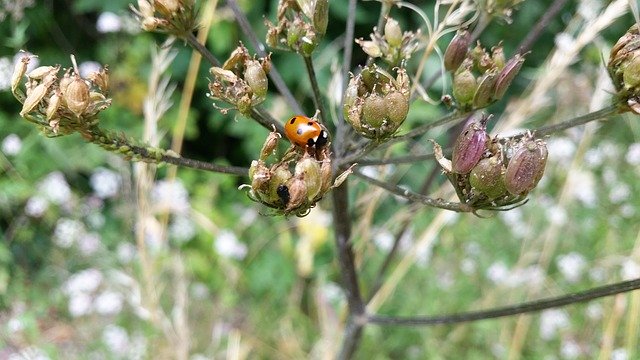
(526, 167)
(486, 89)
(308, 43)
(260, 175)
(497, 56)
(294, 32)
(464, 87)
(457, 50)
(393, 33)
(374, 110)
(487, 177)
(506, 76)
(631, 73)
(397, 106)
(308, 169)
(256, 78)
(280, 175)
(321, 16)
(469, 147)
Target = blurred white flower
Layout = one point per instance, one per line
(627, 211)
(630, 270)
(332, 292)
(11, 145)
(562, 149)
(597, 274)
(593, 158)
(125, 252)
(80, 304)
(108, 22)
(619, 193)
(88, 67)
(383, 240)
(109, 303)
(633, 154)
(468, 266)
(30, 353)
(15, 325)
(514, 221)
(182, 228)
(497, 272)
(564, 42)
(570, 349)
(170, 196)
(6, 70)
(85, 281)
(36, 206)
(227, 245)
(55, 188)
(571, 266)
(89, 243)
(116, 339)
(619, 354)
(552, 321)
(583, 186)
(531, 276)
(594, 311)
(556, 215)
(67, 232)
(199, 291)
(105, 183)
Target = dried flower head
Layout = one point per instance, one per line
(176, 17)
(624, 69)
(393, 46)
(300, 25)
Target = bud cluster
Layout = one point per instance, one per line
(60, 105)
(480, 77)
(499, 8)
(301, 25)
(295, 182)
(393, 46)
(177, 17)
(375, 103)
(493, 173)
(624, 69)
(241, 81)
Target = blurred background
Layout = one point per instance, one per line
(211, 276)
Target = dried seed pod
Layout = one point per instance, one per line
(259, 174)
(506, 76)
(54, 104)
(297, 193)
(280, 176)
(526, 167)
(256, 78)
(392, 32)
(469, 147)
(486, 89)
(33, 98)
(42, 71)
(76, 96)
(487, 177)
(269, 145)
(371, 48)
(457, 50)
(19, 71)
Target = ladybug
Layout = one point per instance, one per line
(305, 132)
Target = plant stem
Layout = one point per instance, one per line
(317, 95)
(342, 230)
(540, 26)
(194, 43)
(382, 21)
(415, 197)
(528, 307)
(259, 47)
(341, 127)
(580, 120)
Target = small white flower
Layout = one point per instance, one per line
(583, 186)
(116, 339)
(562, 148)
(468, 266)
(170, 196)
(80, 304)
(89, 243)
(85, 281)
(627, 211)
(67, 232)
(55, 188)
(105, 183)
(619, 193)
(383, 240)
(88, 67)
(109, 303)
(594, 158)
(30, 353)
(619, 354)
(594, 311)
(125, 252)
(182, 229)
(36, 206)
(15, 325)
(570, 349)
(571, 266)
(227, 245)
(108, 22)
(551, 321)
(633, 154)
(6, 70)
(630, 270)
(497, 272)
(557, 215)
(11, 145)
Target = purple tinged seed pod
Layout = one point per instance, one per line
(506, 76)
(457, 50)
(469, 147)
(526, 167)
(486, 88)
(487, 177)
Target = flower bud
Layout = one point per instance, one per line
(397, 106)
(464, 87)
(457, 50)
(526, 167)
(371, 48)
(392, 32)
(76, 96)
(487, 177)
(486, 89)
(481, 59)
(506, 76)
(256, 78)
(469, 147)
(321, 16)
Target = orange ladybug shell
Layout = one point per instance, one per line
(305, 132)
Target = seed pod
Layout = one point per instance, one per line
(76, 96)
(280, 175)
(259, 174)
(269, 145)
(100, 79)
(392, 32)
(308, 169)
(41, 71)
(374, 110)
(526, 167)
(54, 105)
(371, 48)
(397, 106)
(486, 89)
(487, 177)
(464, 87)
(506, 76)
(321, 16)
(297, 193)
(19, 71)
(631, 73)
(33, 98)
(457, 50)
(469, 147)
(256, 78)
(497, 56)
(326, 173)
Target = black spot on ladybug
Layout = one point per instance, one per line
(283, 194)
(310, 123)
(292, 120)
(310, 142)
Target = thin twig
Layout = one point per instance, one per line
(341, 128)
(259, 47)
(532, 36)
(317, 95)
(415, 197)
(528, 307)
(382, 21)
(194, 43)
(580, 120)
